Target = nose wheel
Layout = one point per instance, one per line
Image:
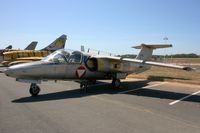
(85, 83)
(84, 86)
(34, 89)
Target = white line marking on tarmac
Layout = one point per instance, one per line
(174, 102)
(150, 86)
(123, 92)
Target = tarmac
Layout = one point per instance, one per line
(140, 106)
(2, 69)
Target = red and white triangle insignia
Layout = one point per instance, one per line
(80, 72)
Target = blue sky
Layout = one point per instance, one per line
(108, 25)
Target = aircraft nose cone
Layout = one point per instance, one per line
(8, 72)
(12, 71)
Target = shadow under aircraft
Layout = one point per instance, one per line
(106, 88)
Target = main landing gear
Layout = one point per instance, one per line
(84, 86)
(34, 89)
(85, 83)
(116, 83)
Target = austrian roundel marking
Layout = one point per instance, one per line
(80, 72)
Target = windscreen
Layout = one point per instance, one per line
(64, 56)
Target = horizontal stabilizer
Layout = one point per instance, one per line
(152, 46)
(147, 50)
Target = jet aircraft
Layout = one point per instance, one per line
(24, 56)
(31, 46)
(85, 67)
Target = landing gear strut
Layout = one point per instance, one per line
(85, 83)
(116, 83)
(34, 89)
(84, 86)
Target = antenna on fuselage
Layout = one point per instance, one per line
(82, 48)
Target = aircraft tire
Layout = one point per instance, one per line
(116, 83)
(34, 89)
(84, 86)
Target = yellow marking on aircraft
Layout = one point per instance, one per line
(28, 53)
(23, 56)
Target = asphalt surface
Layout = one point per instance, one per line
(2, 69)
(140, 106)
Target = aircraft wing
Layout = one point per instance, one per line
(159, 64)
(119, 60)
(168, 65)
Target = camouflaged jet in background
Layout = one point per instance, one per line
(28, 55)
(31, 46)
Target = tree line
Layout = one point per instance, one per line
(190, 55)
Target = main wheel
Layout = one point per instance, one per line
(34, 89)
(116, 83)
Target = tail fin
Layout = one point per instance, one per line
(9, 47)
(147, 50)
(59, 43)
(31, 46)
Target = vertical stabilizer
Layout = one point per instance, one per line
(31, 46)
(9, 47)
(59, 43)
(147, 50)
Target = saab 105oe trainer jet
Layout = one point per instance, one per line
(85, 67)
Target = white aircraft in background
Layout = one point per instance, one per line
(85, 67)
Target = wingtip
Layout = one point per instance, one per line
(188, 69)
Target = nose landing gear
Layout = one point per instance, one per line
(85, 83)
(34, 89)
(84, 86)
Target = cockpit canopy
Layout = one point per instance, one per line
(64, 56)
